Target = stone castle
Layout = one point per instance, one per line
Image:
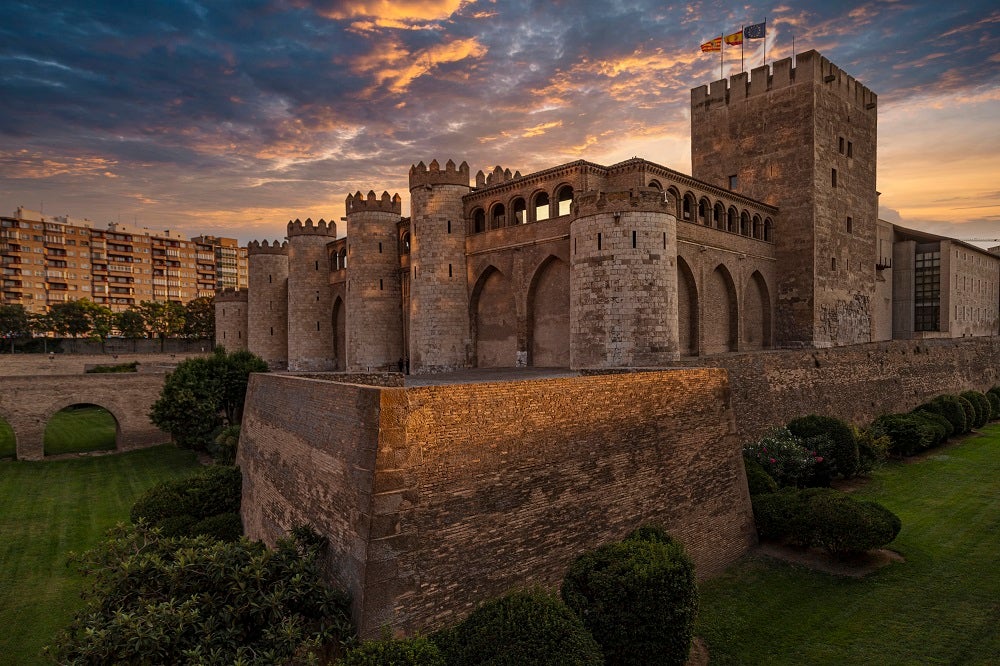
(773, 241)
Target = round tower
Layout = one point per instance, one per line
(231, 319)
(439, 300)
(267, 302)
(310, 300)
(374, 297)
(623, 280)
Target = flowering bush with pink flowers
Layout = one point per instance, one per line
(784, 457)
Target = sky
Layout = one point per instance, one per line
(232, 118)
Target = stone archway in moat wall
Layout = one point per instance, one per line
(50, 414)
(339, 335)
(548, 312)
(756, 330)
(687, 310)
(495, 321)
(721, 312)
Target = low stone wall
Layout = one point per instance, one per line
(22, 365)
(856, 383)
(436, 498)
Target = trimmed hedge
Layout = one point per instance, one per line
(121, 367)
(825, 518)
(638, 598)
(938, 425)
(842, 456)
(993, 395)
(982, 406)
(182, 508)
(416, 651)
(970, 413)
(950, 407)
(908, 433)
(758, 480)
(527, 627)
(873, 449)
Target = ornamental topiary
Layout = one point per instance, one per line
(939, 426)
(758, 481)
(637, 597)
(950, 407)
(527, 627)
(416, 651)
(970, 413)
(982, 406)
(783, 457)
(843, 455)
(776, 514)
(908, 434)
(993, 395)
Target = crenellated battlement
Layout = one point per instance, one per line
(263, 247)
(809, 67)
(498, 176)
(432, 174)
(322, 228)
(231, 295)
(357, 203)
(644, 199)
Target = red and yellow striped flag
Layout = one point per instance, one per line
(735, 39)
(714, 45)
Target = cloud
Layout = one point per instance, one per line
(391, 63)
(389, 13)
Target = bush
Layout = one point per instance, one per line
(825, 518)
(939, 426)
(872, 450)
(527, 627)
(981, 404)
(759, 481)
(970, 413)
(223, 449)
(155, 600)
(176, 507)
(842, 456)
(783, 457)
(950, 407)
(993, 395)
(908, 433)
(221, 526)
(637, 597)
(121, 367)
(416, 651)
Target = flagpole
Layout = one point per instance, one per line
(742, 39)
(765, 41)
(722, 50)
(793, 49)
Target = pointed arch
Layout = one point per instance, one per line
(564, 200)
(719, 216)
(687, 310)
(675, 194)
(540, 208)
(705, 212)
(756, 317)
(493, 316)
(722, 311)
(688, 207)
(339, 334)
(548, 315)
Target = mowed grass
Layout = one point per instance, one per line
(80, 428)
(940, 606)
(48, 509)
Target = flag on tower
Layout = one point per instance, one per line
(755, 31)
(714, 45)
(735, 39)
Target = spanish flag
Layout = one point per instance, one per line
(735, 39)
(714, 45)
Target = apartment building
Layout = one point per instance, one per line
(49, 259)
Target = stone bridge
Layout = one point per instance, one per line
(27, 404)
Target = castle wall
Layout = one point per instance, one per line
(623, 280)
(267, 304)
(231, 319)
(969, 291)
(476, 488)
(310, 303)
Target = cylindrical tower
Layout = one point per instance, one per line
(439, 297)
(374, 336)
(231, 319)
(310, 301)
(623, 280)
(267, 302)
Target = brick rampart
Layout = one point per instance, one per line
(436, 498)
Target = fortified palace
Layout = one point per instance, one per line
(773, 241)
(438, 492)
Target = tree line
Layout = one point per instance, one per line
(84, 318)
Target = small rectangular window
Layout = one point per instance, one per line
(734, 182)
(380, 286)
(840, 145)
(598, 241)
(380, 248)
(633, 240)
(833, 177)
(850, 224)
(449, 226)
(449, 270)
(317, 326)
(850, 149)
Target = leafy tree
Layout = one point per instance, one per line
(70, 318)
(199, 318)
(102, 320)
(15, 322)
(164, 319)
(203, 395)
(131, 324)
(159, 600)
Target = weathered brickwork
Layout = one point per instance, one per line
(231, 319)
(438, 497)
(267, 302)
(28, 402)
(310, 299)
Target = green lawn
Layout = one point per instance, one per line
(6, 440)
(940, 606)
(80, 428)
(48, 509)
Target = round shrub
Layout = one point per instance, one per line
(873, 450)
(528, 627)
(950, 407)
(994, 397)
(970, 413)
(759, 481)
(416, 651)
(638, 598)
(783, 457)
(221, 526)
(981, 404)
(174, 506)
(908, 434)
(775, 514)
(842, 456)
(844, 526)
(939, 426)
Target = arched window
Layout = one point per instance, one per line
(404, 243)
(564, 200)
(768, 229)
(540, 206)
(519, 211)
(719, 216)
(478, 221)
(687, 210)
(733, 221)
(343, 258)
(498, 216)
(676, 196)
(704, 216)
(745, 223)
(656, 184)
(758, 227)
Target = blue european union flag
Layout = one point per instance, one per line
(755, 31)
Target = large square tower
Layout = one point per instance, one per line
(801, 138)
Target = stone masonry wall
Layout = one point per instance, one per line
(310, 299)
(477, 488)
